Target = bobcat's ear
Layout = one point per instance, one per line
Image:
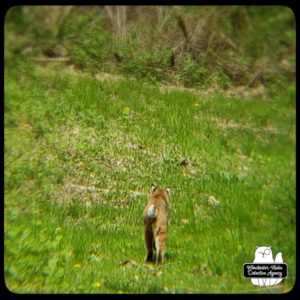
(168, 190)
(153, 188)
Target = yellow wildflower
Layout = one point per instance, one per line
(126, 110)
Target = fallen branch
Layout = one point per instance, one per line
(128, 262)
(228, 42)
(182, 25)
(167, 265)
(256, 78)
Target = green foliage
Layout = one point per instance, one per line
(192, 73)
(150, 44)
(66, 133)
(86, 41)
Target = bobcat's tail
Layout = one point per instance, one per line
(152, 212)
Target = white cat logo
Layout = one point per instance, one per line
(264, 255)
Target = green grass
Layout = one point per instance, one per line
(64, 130)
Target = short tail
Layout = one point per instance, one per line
(152, 212)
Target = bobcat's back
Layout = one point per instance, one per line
(156, 222)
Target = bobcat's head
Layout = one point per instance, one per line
(165, 193)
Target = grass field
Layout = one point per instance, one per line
(81, 154)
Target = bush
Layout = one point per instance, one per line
(196, 46)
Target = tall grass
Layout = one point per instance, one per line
(81, 155)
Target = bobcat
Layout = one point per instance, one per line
(156, 223)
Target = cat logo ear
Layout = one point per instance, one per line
(270, 247)
(257, 247)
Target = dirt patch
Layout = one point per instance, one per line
(107, 76)
(241, 92)
(90, 195)
(230, 124)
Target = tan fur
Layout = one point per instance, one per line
(156, 225)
